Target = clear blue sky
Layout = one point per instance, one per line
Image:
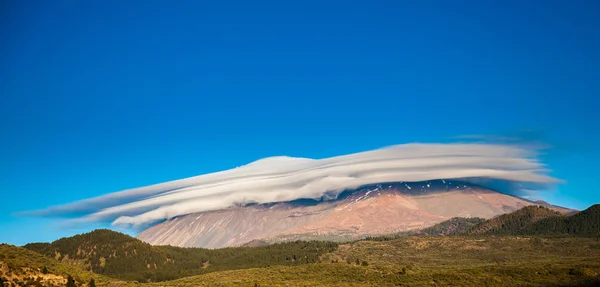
(99, 96)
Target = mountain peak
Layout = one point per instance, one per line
(369, 210)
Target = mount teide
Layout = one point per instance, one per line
(369, 210)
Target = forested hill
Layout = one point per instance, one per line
(514, 222)
(538, 220)
(584, 223)
(530, 220)
(453, 226)
(124, 257)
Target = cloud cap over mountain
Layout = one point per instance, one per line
(282, 178)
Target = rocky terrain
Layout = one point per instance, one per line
(367, 211)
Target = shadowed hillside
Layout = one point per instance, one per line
(453, 226)
(456, 225)
(515, 222)
(121, 256)
(584, 223)
(538, 220)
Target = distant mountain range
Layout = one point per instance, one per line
(370, 210)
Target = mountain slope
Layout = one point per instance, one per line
(539, 220)
(23, 267)
(124, 257)
(584, 223)
(453, 226)
(514, 222)
(367, 211)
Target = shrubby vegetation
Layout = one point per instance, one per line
(22, 267)
(456, 225)
(431, 261)
(534, 246)
(453, 226)
(124, 257)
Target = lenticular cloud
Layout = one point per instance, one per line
(282, 178)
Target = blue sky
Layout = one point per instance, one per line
(104, 96)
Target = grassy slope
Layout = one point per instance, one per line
(432, 261)
(22, 262)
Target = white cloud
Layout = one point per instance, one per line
(285, 178)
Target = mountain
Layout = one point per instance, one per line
(121, 256)
(366, 211)
(539, 220)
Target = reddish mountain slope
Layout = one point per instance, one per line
(371, 210)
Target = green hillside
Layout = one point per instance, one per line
(121, 256)
(456, 225)
(515, 222)
(22, 267)
(584, 223)
(453, 226)
(538, 220)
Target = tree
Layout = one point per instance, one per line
(92, 283)
(71, 282)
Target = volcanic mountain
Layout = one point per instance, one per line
(375, 209)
